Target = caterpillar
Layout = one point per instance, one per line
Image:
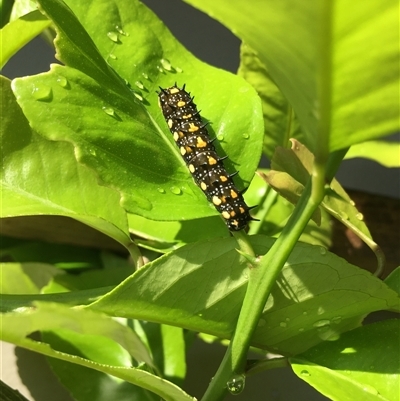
(197, 149)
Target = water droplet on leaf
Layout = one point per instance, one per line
(113, 36)
(322, 323)
(42, 92)
(62, 81)
(235, 384)
(139, 85)
(166, 64)
(108, 110)
(121, 31)
(176, 190)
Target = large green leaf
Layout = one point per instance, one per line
(280, 122)
(383, 152)
(43, 177)
(88, 339)
(201, 287)
(325, 53)
(120, 132)
(18, 33)
(362, 365)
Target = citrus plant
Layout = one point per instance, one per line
(87, 141)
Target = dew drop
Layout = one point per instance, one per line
(287, 319)
(337, 319)
(112, 56)
(352, 203)
(370, 389)
(283, 324)
(305, 313)
(348, 350)
(92, 152)
(161, 190)
(62, 81)
(139, 84)
(113, 36)
(144, 75)
(235, 384)
(220, 137)
(176, 190)
(301, 329)
(166, 64)
(322, 250)
(360, 216)
(138, 96)
(42, 92)
(246, 136)
(108, 110)
(159, 68)
(121, 31)
(305, 373)
(344, 215)
(324, 329)
(179, 70)
(322, 323)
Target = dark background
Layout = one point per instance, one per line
(214, 44)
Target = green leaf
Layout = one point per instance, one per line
(26, 278)
(362, 365)
(96, 385)
(201, 287)
(393, 280)
(165, 236)
(280, 123)
(124, 139)
(16, 34)
(293, 40)
(291, 171)
(168, 348)
(42, 177)
(60, 255)
(383, 152)
(103, 342)
(22, 7)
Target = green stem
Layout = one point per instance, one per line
(136, 255)
(265, 206)
(261, 281)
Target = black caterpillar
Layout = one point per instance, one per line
(196, 148)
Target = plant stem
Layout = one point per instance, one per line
(261, 281)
